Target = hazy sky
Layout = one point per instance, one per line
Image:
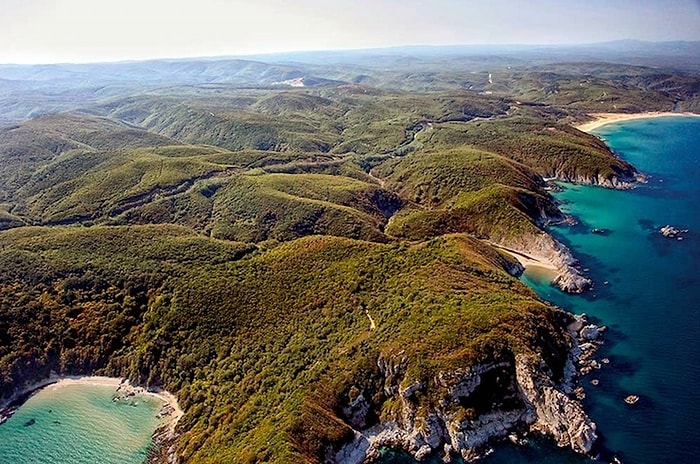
(43, 31)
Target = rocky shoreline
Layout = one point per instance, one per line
(544, 405)
(546, 251)
(162, 449)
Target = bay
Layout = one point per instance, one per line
(79, 424)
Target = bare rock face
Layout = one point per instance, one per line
(557, 415)
(545, 248)
(449, 428)
(357, 411)
(590, 332)
(625, 181)
(570, 280)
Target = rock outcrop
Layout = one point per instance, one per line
(669, 231)
(624, 181)
(475, 407)
(557, 414)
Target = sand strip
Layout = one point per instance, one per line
(540, 265)
(607, 118)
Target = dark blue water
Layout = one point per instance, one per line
(650, 304)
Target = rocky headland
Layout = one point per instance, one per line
(527, 398)
(543, 250)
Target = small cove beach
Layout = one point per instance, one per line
(81, 419)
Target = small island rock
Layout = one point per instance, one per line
(669, 231)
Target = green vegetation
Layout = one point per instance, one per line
(285, 206)
(62, 192)
(246, 339)
(433, 177)
(498, 213)
(235, 241)
(549, 148)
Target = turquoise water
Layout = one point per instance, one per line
(79, 424)
(651, 303)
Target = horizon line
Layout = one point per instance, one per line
(347, 50)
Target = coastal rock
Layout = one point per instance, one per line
(546, 249)
(557, 415)
(357, 411)
(590, 332)
(625, 181)
(447, 428)
(669, 231)
(578, 322)
(571, 280)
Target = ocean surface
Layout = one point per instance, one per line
(647, 294)
(79, 424)
(650, 304)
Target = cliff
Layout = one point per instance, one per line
(543, 248)
(527, 395)
(623, 181)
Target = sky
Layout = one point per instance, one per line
(50, 31)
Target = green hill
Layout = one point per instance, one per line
(286, 206)
(249, 340)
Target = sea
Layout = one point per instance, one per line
(79, 424)
(647, 295)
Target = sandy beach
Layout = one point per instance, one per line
(543, 268)
(97, 380)
(535, 264)
(607, 118)
(171, 410)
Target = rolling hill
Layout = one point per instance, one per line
(314, 271)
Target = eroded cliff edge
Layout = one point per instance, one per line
(463, 412)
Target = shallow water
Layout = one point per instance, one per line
(79, 424)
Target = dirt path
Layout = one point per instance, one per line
(372, 325)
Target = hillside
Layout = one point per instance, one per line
(248, 340)
(315, 272)
(249, 166)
